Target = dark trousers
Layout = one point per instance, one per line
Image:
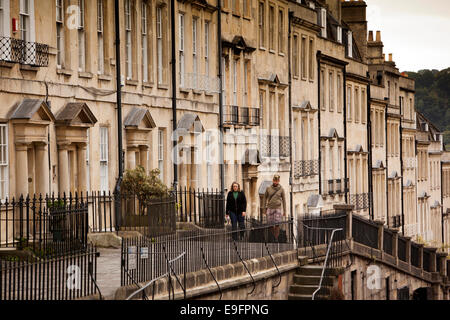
(235, 220)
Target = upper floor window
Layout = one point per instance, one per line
(2, 19)
(331, 90)
(100, 38)
(159, 43)
(339, 93)
(146, 53)
(128, 39)
(261, 24)
(349, 103)
(295, 55)
(304, 62)
(357, 106)
(363, 106)
(194, 46)
(311, 59)
(350, 44)
(271, 28)
(25, 20)
(181, 47)
(323, 22)
(161, 139)
(81, 37)
(59, 33)
(281, 31)
(207, 48)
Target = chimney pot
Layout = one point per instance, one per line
(390, 57)
(378, 36)
(371, 36)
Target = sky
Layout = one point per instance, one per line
(416, 32)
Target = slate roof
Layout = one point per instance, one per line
(28, 107)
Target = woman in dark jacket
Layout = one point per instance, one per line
(235, 208)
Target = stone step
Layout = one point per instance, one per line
(307, 290)
(301, 279)
(292, 296)
(317, 271)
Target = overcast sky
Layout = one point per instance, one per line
(416, 32)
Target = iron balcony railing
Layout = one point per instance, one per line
(199, 82)
(236, 115)
(274, 146)
(396, 221)
(361, 201)
(24, 52)
(334, 187)
(306, 168)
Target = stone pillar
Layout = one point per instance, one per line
(73, 168)
(395, 244)
(441, 259)
(433, 257)
(63, 164)
(143, 152)
(21, 169)
(408, 250)
(82, 168)
(421, 256)
(194, 165)
(380, 235)
(131, 158)
(42, 170)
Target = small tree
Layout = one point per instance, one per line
(144, 187)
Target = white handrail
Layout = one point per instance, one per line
(162, 276)
(326, 260)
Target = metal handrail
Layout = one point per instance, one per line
(209, 269)
(245, 266)
(326, 259)
(175, 274)
(275, 264)
(154, 280)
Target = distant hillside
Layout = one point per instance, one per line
(433, 98)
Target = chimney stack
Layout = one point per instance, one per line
(378, 39)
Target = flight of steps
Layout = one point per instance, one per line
(306, 281)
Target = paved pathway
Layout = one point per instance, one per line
(108, 272)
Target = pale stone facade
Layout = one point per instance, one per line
(306, 93)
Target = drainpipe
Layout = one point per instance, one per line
(290, 117)
(369, 148)
(401, 167)
(174, 94)
(119, 116)
(387, 165)
(219, 55)
(319, 53)
(442, 207)
(345, 134)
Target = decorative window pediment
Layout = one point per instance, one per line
(190, 123)
(32, 109)
(139, 118)
(76, 114)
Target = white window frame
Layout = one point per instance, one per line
(100, 44)
(128, 39)
(350, 44)
(4, 162)
(235, 71)
(194, 50)
(207, 48)
(144, 38)
(181, 29)
(331, 90)
(25, 13)
(339, 34)
(323, 22)
(161, 153)
(104, 161)
(59, 33)
(159, 43)
(261, 23)
(81, 38)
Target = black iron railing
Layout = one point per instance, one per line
(334, 187)
(306, 168)
(415, 258)
(24, 52)
(244, 115)
(274, 146)
(426, 260)
(365, 232)
(401, 248)
(144, 259)
(45, 225)
(361, 201)
(65, 277)
(396, 221)
(254, 117)
(231, 115)
(388, 241)
(203, 207)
